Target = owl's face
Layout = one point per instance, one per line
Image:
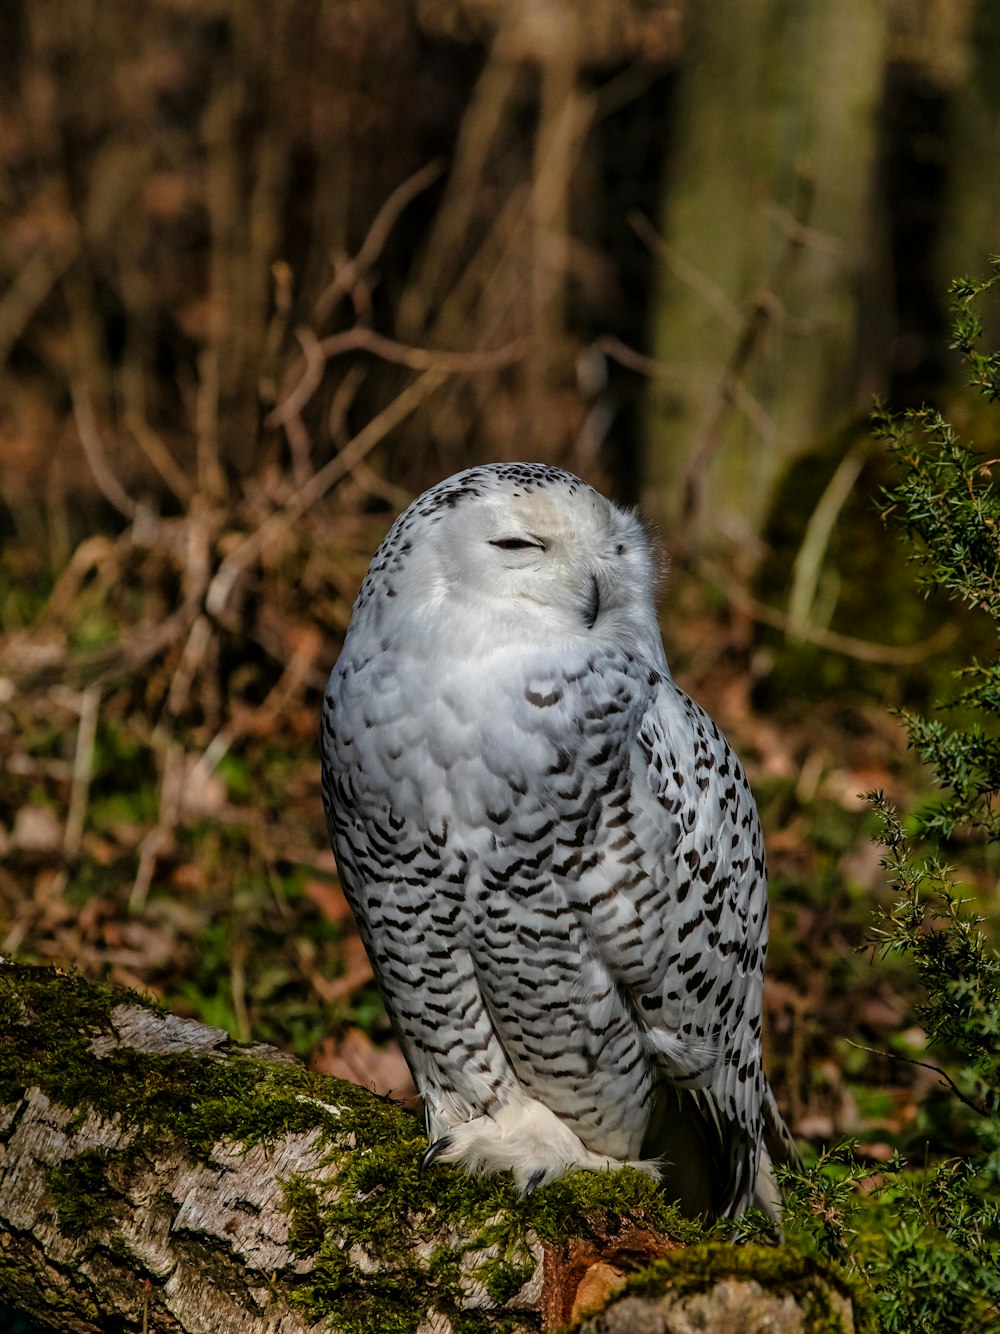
(571, 560)
(521, 557)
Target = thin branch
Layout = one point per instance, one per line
(809, 559)
(632, 360)
(83, 764)
(757, 315)
(713, 295)
(314, 363)
(864, 650)
(93, 449)
(306, 496)
(439, 276)
(299, 442)
(158, 838)
(370, 481)
(26, 661)
(30, 287)
(926, 1065)
(626, 356)
(426, 359)
(795, 228)
(378, 234)
(159, 456)
(361, 339)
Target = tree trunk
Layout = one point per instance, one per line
(155, 1175)
(766, 220)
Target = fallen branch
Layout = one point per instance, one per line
(156, 1175)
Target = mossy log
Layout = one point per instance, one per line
(155, 1175)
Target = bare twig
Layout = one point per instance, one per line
(289, 684)
(91, 554)
(274, 335)
(626, 356)
(32, 283)
(83, 764)
(426, 359)
(159, 455)
(563, 116)
(24, 660)
(341, 400)
(363, 443)
(158, 838)
(371, 482)
(713, 295)
(809, 558)
(349, 272)
(452, 226)
(192, 656)
(299, 443)
(926, 1065)
(93, 449)
(238, 988)
(864, 650)
(211, 479)
(795, 227)
(416, 358)
(314, 363)
(758, 314)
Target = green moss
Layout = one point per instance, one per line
(579, 1204)
(81, 1192)
(504, 1280)
(380, 1200)
(779, 1270)
(45, 1042)
(302, 1202)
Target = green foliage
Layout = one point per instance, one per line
(926, 1236)
(959, 970)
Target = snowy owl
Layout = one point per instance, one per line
(552, 853)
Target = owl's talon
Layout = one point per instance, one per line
(534, 1181)
(436, 1149)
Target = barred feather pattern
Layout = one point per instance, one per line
(553, 854)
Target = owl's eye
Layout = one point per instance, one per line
(516, 544)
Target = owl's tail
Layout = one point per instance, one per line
(707, 1164)
(779, 1147)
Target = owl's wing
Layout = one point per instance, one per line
(686, 946)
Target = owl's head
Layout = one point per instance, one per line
(516, 553)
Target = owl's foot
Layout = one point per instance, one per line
(526, 1138)
(439, 1147)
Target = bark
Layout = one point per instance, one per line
(155, 1175)
(766, 217)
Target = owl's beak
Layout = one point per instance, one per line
(593, 604)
